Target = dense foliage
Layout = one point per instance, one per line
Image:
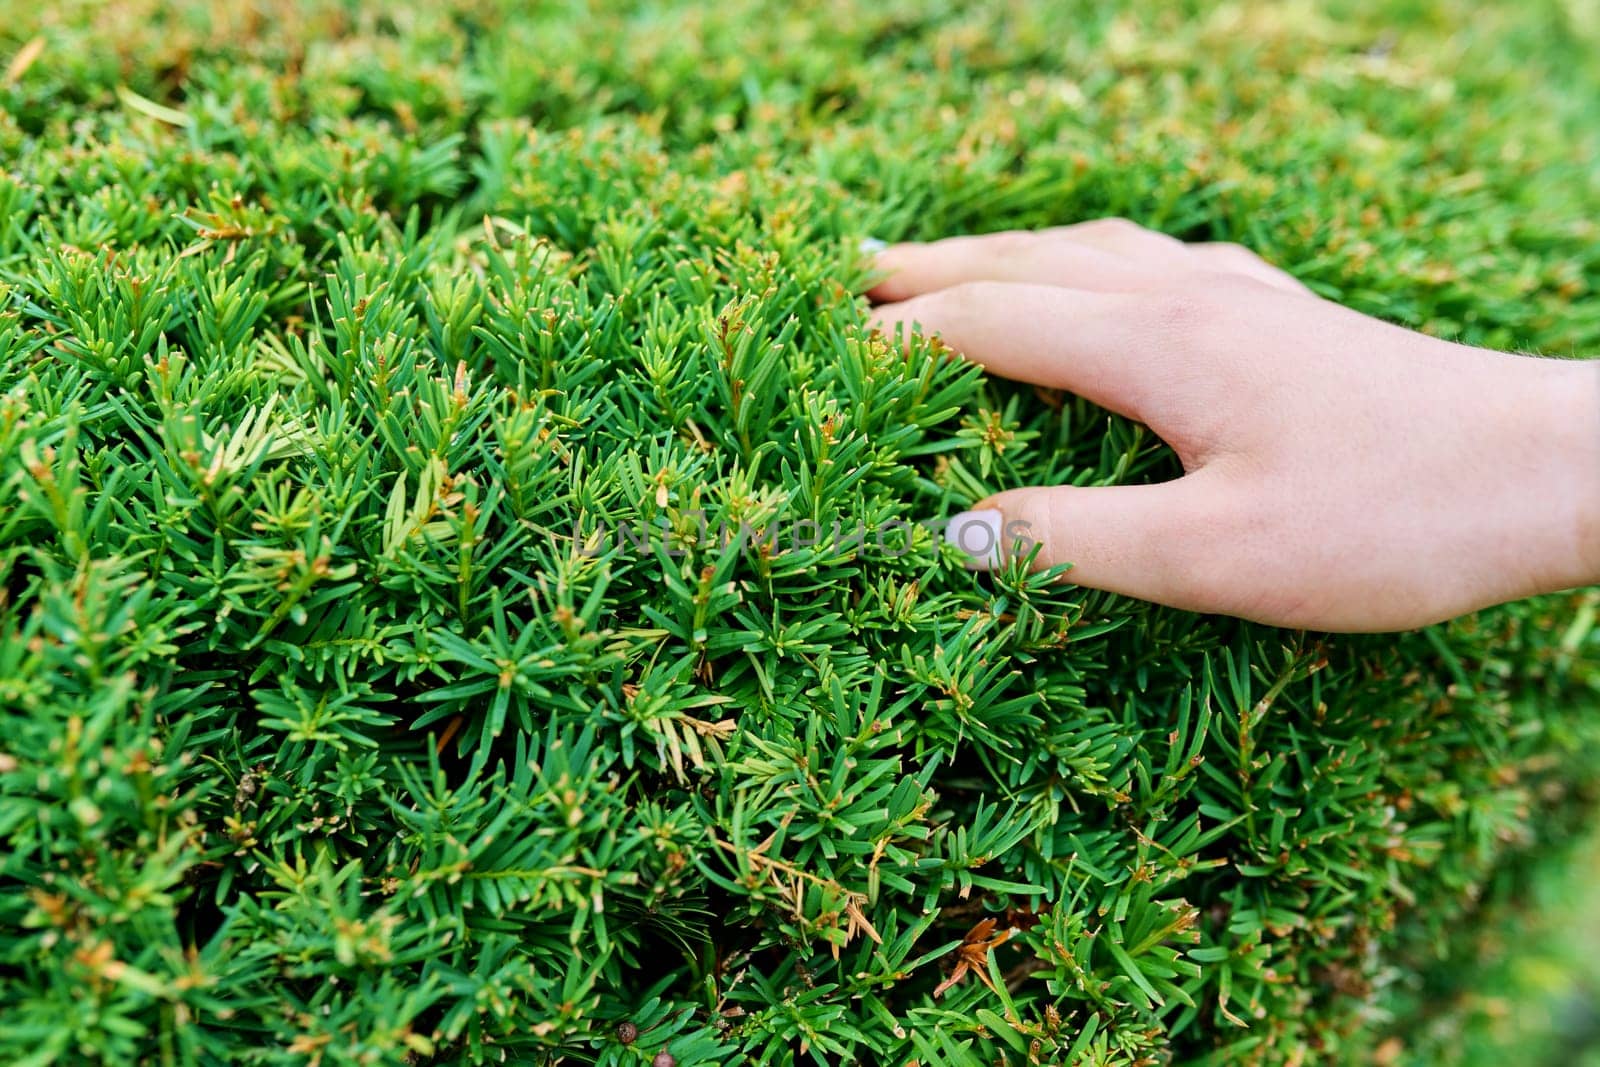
(377, 684)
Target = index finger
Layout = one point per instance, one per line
(1086, 342)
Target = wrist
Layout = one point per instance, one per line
(1567, 428)
(1589, 483)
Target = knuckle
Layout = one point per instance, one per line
(1234, 258)
(1007, 243)
(967, 299)
(1112, 226)
(1233, 252)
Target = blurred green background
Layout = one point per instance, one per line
(1532, 999)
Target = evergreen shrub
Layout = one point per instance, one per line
(376, 384)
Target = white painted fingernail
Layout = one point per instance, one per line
(977, 535)
(871, 246)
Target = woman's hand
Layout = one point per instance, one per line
(1342, 473)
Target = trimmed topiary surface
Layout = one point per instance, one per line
(377, 688)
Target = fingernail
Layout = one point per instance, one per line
(977, 535)
(871, 246)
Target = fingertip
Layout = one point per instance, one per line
(882, 293)
(977, 533)
(894, 320)
(1021, 529)
(888, 265)
(880, 321)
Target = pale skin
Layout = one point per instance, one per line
(1341, 473)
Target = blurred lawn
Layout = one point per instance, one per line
(1534, 998)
